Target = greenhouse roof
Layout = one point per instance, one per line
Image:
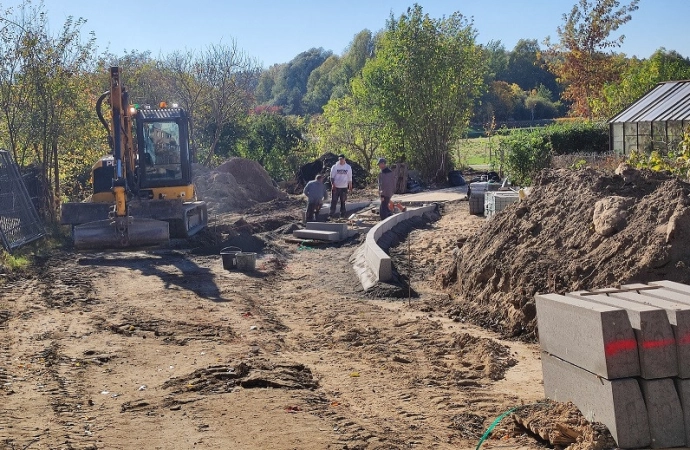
(668, 101)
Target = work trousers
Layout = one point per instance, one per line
(384, 210)
(338, 194)
(312, 214)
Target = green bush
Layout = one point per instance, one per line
(527, 152)
(578, 137)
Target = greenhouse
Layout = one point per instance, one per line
(654, 122)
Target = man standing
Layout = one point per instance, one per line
(386, 187)
(316, 194)
(341, 183)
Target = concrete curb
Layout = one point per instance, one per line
(369, 261)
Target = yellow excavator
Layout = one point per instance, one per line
(142, 191)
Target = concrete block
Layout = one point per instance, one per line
(594, 336)
(340, 228)
(666, 425)
(668, 294)
(618, 404)
(672, 285)
(678, 316)
(332, 236)
(656, 343)
(683, 389)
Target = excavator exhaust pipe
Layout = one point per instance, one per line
(116, 233)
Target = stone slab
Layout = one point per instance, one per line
(332, 236)
(666, 424)
(656, 343)
(379, 261)
(678, 316)
(672, 285)
(591, 335)
(683, 389)
(618, 404)
(340, 228)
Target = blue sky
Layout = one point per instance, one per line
(276, 31)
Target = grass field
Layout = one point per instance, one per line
(479, 151)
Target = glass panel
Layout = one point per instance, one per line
(162, 151)
(644, 128)
(617, 130)
(630, 144)
(675, 130)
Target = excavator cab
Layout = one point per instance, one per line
(143, 191)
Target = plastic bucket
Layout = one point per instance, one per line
(246, 261)
(229, 255)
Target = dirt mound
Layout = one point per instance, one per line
(563, 425)
(577, 230)
(236, 184)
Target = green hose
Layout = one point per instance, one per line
(488, 431)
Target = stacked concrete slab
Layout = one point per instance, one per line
(323, 231)
(622, 356)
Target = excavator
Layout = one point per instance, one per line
(142, 191)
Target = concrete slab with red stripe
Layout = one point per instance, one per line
(656, 342)
(618, 404)
(596, 337)
(666, 424)
(678, 316)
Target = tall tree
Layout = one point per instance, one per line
(182, 72)
(229, 79)
(291, 85)
(320, 86)
(423, 82)
(582, 59)
(349, 127)
(41, 72)
(638, 78)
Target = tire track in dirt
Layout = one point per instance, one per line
(395, 376)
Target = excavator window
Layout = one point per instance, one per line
(161, 151)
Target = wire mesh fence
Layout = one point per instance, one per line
(19, 221)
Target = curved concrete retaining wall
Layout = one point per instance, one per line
(370, 262)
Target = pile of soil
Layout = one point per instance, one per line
(562, 425)
(576, 230)
(323, 166)
(236, 184)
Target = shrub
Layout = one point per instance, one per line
(527, 152)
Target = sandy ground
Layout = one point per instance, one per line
(166, 349)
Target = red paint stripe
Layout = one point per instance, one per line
(658, 343)
(624, 345)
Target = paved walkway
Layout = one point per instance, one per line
(438, 195)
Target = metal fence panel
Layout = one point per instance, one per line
(19, 221)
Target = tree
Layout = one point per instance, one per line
(320, 86)
(422, 83)
(526, 67)
(273, 140)
(348, 126)
(291, 85)
(582, 58)
(41, 90)
(228, 77)
(638, 78)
